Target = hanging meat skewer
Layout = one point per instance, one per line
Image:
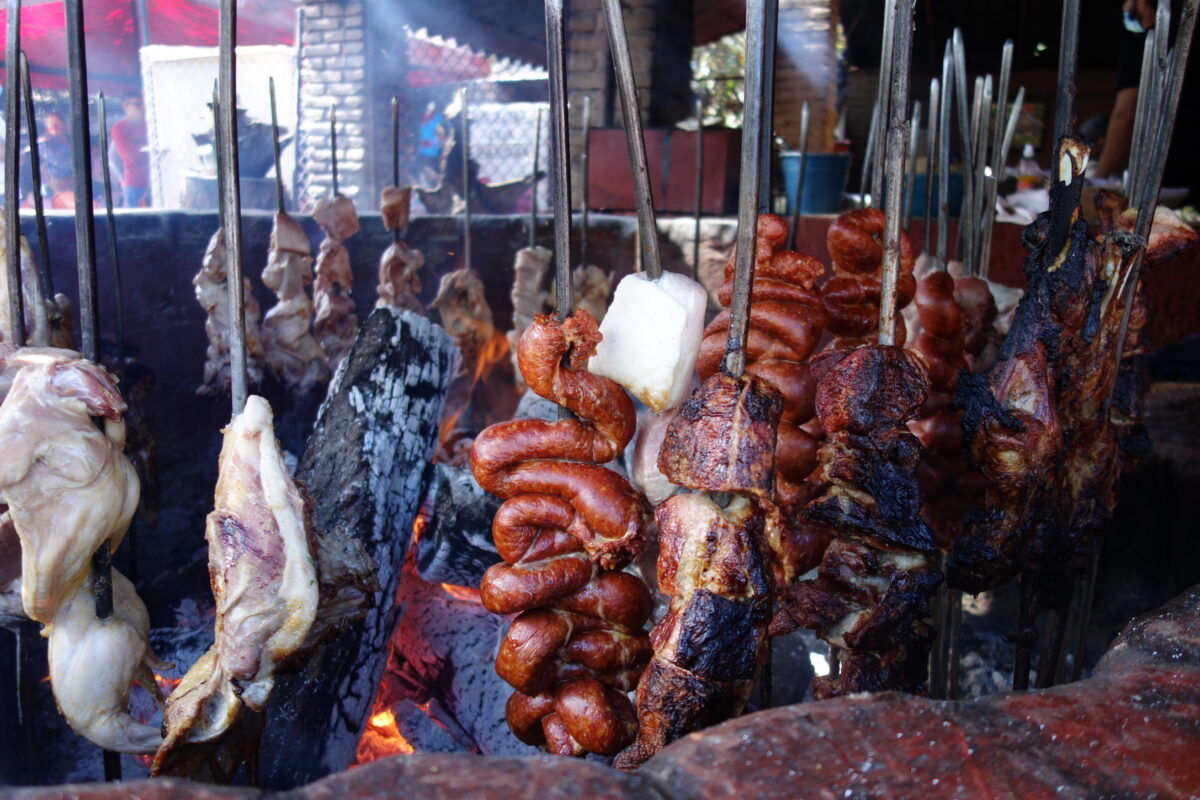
(851, 297)
(718, 544)
(336, 324)
(399, 283)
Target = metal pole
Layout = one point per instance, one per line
(981, 139)
(1064, 101)
(585, 162)
(1010, 128)
(12, 173)
(767, 129)
(466, 156)
(914, 132)
(885, 88)
(396, 154)
(275, 148)
(231, 201)
(896, 139)
(45, 276)
(869, 167)
(964, 132)
(998, 155)
(333, 161)
(943, 150)
(699, 186)
(734, 363)
(1141, 122)
(931, 145)
(634, 140)
(559, 154)
(800, 169)
(111, 222)
(533, 199)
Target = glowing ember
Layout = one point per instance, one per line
(380, 739)
(461, 592)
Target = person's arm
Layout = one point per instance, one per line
(1120, 133)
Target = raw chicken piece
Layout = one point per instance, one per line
(465, 313)
(260, 561)
(264, 578)
(291, 351)
(69, 487)
(399, 283)
(336, 324)
(212, 293)
(394, 204)
(93, 664)
(651, 337)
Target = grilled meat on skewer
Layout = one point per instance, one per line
(714, 562)
(851, 297)
(291, 351)
(399, 283)
(336, 324)
(212, 293)
(872, 593)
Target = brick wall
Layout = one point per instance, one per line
(333, 72)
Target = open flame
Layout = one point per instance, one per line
(467, 395)
(380, 738)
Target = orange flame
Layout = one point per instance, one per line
(461, 592)
(380, 738)
(493, 352)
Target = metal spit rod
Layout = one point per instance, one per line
(964, 132)
(584, 162)
(914, 132)
(12, 174)
(800, 169)
(560, 173)
(333, 157)
(45, 276)
(699, 185)
(931, 156)
(943, 151)
(275, 148)
(396, 154)
(1010, 128)
(634, 140)
(231, 200)
(869, 167)
(999, 154)
(897, 135)
(533, 199)
(466, 155)
(1064, 108)
(884, 100)
(734, 363)
(111, 224)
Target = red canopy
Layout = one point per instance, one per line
(111, 33)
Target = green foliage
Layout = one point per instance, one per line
(718, 71)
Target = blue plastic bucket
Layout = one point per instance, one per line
(918, 200)
(824, 181)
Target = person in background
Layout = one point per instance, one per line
(1138, 19)
(129, 141)
(54, 147)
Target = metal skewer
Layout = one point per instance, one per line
(12, 174)
(884, 101)
(914, 132)
(800, 169)
(231, 200)
(896, 140)
(968, 222)
(943, 151)
(560, 173)
(333, 158)
(999, 154)
(45, 276)
(931, 150)
(396, 155)
(632, 115)
(466, 150)
(1141, 123)
(1064, 108)
(869, 166)
(275, 148)
(1010, 128)
(111, 222)
(585, 160)
(699, 185)
(981, 139)
(964, 131)
(734, 362)
(533, 199)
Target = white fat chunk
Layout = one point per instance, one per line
(652, 335)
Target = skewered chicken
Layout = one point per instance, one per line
(264, 580)
(212, 293)
(94, 662)
(336, 324)
(47, 320)
(873, 588)
(69, 487)
(786, 323)
(567, 523)
(528, 297)
(291, 351)
(714, 563)
(399, 283)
